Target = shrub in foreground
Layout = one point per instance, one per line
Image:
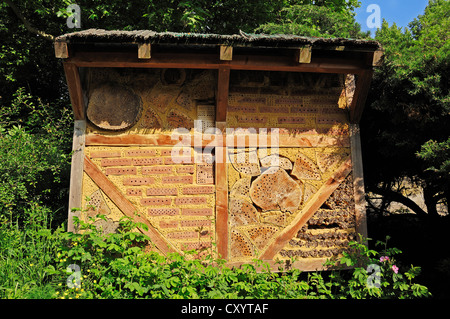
(119, 265)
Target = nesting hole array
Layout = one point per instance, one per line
(329, 230)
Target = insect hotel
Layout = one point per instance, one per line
(244, 146)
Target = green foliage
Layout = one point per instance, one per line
(409, 105)
(33, 156)
(25, 253)
(119, 266)
(317, 18)
(376, 275)
(38, 262)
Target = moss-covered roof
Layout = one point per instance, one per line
(242, 39)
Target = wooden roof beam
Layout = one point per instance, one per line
(303, 55)
(211, 61)
(363, 82)
(226, 53)
(144, 50)
(377, 58)
(75, 90)
(61, 50)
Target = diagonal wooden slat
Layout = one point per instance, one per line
(125, 205)
(308, 211)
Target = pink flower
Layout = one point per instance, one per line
(384, 258)
(395, 268)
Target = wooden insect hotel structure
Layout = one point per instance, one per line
(245, 146)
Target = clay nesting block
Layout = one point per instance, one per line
(241, 188)
(97, 204)
(113, 107)
(276, 190)
(176, 119)
(304, 168)
(310, 190)
(205, 174)
(276, 160)
(276, 218)
(326, 161)
(150, 120)
(240, 246)
(242, 212)
(185, 100)
(260, 235)
(246, 163)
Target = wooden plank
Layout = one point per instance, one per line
(226, 53)
(61, 50)
(377, 58)
(358, 181)
(308, 211)
(76, 172)
(223, 85)
(211, 61)
(281, 63)
(221, 202)
(158, 60)
(125, 205)
(363, 82)
(75, 90)
(237, 140)
(303, 55)
(151, 139)
(144, 51)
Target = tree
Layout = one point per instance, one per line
(326, 18)
(404, 127)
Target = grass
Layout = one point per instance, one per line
(25, 251)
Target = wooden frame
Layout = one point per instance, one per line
(237, 140)
(227, 60)
(144, 51)
(75, 90)
(76, 172)
(358, 181)
(363, 82)
(212, 61)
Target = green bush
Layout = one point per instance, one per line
(25, 252)
(34, 157)
(93, 265)
(374, 275)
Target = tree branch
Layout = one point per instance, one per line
(27, 24)
(399, 198)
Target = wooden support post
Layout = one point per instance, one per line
(303, 55)
(377, 58)
(226, 53)
(75, 90)
(76, 172)
(363, 81)
(144, 51)
(61, 50)
(221, 196)
(358, 181)
(223, 85)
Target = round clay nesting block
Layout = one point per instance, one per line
(113, 107)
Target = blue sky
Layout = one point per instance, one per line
(399, 11)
